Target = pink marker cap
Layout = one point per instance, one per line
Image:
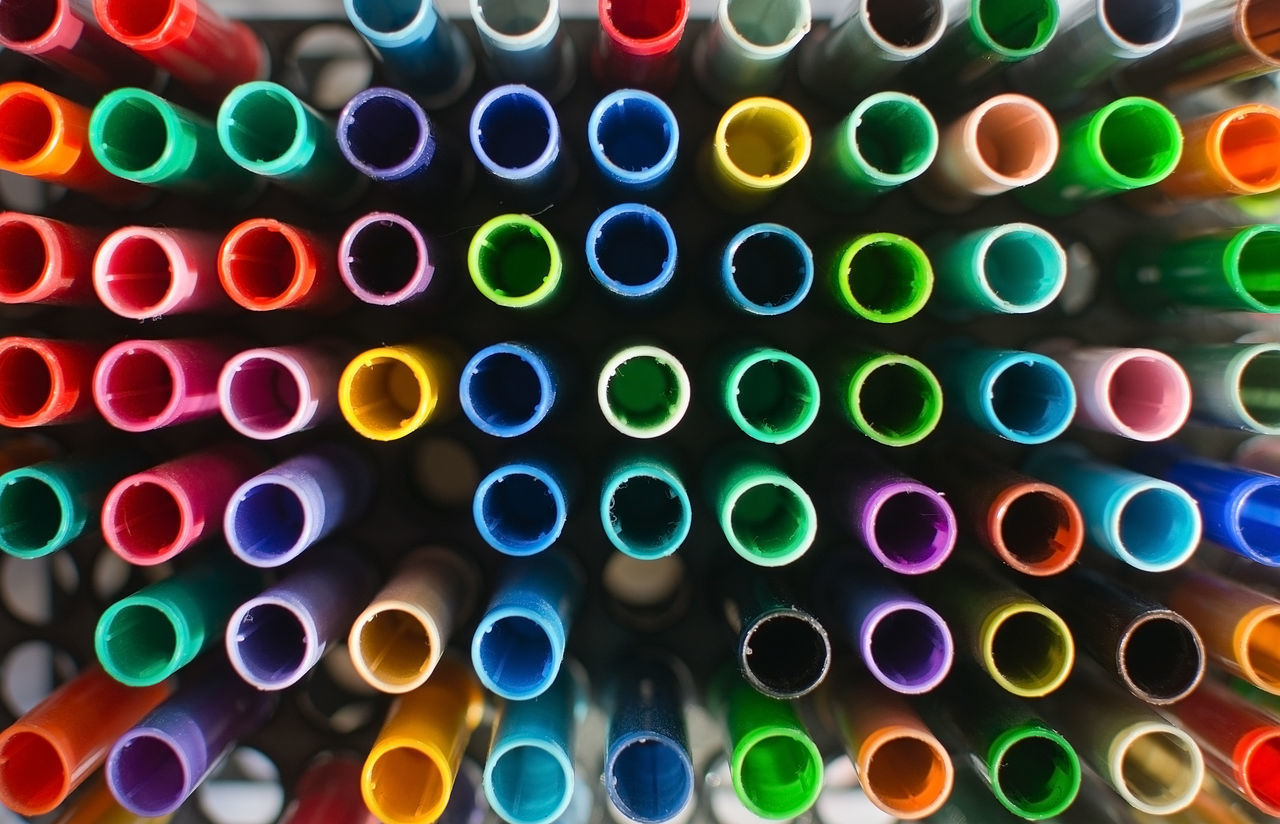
(1139, 394)
(45, 261)
(143, 385)
(141, 272)
(272, 392)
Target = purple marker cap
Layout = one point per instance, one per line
(155, 766)
(909, 527)
(904, 642)
(385, 260)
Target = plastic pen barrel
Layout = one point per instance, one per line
(139, 136)
(744, 50)
(529, 774)
(1023, 397)
(645, 508)
(648, 773)
(154, 767)
(766, 270)
(776, 767)
(1229, 153)
(45, 261)
(770, 395)
(45, 506)
(388, 137)
(276, 515)
(1006, 142)
(203, 50)
(1127, 144)
(508, 389)
(866, 44)
(1140, 394)
(1152, 651)
(902, 766)
(909, 528)
(518, 646)
(268, 130)
(1234, 386)
(1010, 269)
(328, 791)
(766, 516)
(904, 643)
(152, 516)
(515, 134)
(524, 44)
(881, 277)
(265, 265)
(142, 273)
(643, 391)
(520, 508)
(44, 382)
(634, 138)
(273, 392)
(894, 400)
(392, 391)
(425, 53)
(64, 34)
(276, 638)
(637, 43)
(782, 650)
(631, 252)
(990, 36)
(383, 259)
(889, 139)
(48, 137)
(1230, 269)
(515, 262)
(51, 749)
(398, 640)
(760, 145)
(146, 637)
(1148, 523)
(145, 385)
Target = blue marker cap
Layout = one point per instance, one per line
(634, 138)
(631, 251)
(766, 269)
(507, 389)
(520, 508)
(1024, 397)
(645, 509)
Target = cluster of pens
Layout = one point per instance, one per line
(195, 661)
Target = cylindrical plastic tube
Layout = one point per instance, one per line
(142, 272)
(904, 643)
(152, 516)
(766, 270)
(1240, 743)
(53, 748)
(1010, 269)
(743, 51)
(397, 641)
(265, 264)
(644, 508)
(273, 517)
(637, 43)
(1007, 141)
(1229, 153)
(274, 639)
(410, 772)
(902, 767)
(47, 137)
(520, 508)
(329, 791)
(154, 767)
(268, 130)
(392, 391)
(425, 53)
(45, 261)
(529, 774)
(1140, 394)
(1240, 626)
(1150, 524)
(384, 260)
(643, 391)
(139, 136)
(515, 262)
(206, 52)
(908, 527)
(881, 277)
(45, 382)
(989, 36)
(759, 146)
(1234, 385)
(515, 134)
(1233, 269)
(634, 138)
(45, 506)
(65, 35)
(866, 44)
(631, 252)
(1127, 144)
(647, 738)
(889, 139)
(146, 637)
(144, 385)
(776, 767)
(507, 389)
(771, 395)
(518, 646)
(1024, 397)
(765, 516)
(524, 44)
(387, 136)
(782, 650)
(277, 391)
(1151, 650)
(894, 400)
